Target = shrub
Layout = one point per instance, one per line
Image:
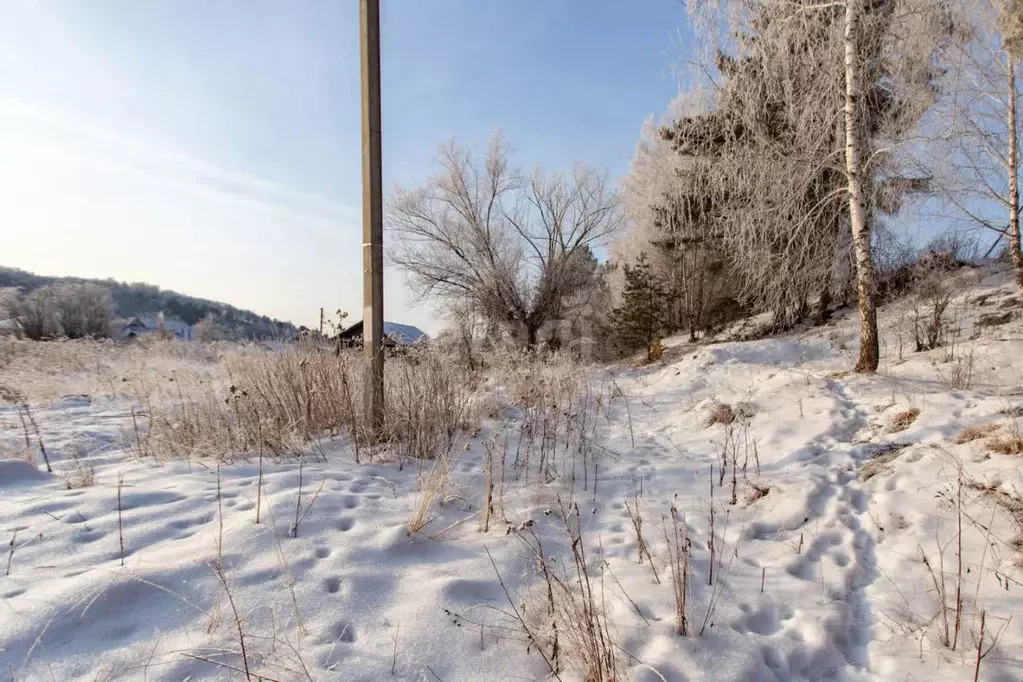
(74, 310)
(36, 312)
(8, 302)
(83, 310)
(205, 329)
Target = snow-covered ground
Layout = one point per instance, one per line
(839, 559)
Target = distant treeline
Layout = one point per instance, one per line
(139, 298)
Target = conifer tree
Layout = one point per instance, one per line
(639, 320)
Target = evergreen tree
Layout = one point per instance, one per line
(640, 318)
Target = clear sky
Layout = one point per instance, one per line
(213, 146)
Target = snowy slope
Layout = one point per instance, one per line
(830, 565)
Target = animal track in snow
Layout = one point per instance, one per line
(342, 631)
(766, 620)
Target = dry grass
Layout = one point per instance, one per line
(756, 492)
(227, 400)
(903, 420)
(283, 402)
(679, 546)
(49, 370)
(568, 619)
(82, 475)
(560, 405)
(1011, 444)
(972, 433)
(433, 485)
(880, 461)
(719, 413)
(1007, 445)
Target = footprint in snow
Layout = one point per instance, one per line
(766, 620)
(342, 631)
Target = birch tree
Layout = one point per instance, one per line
(866, 281)
(978, 154)
(815, 100)
(519, 246)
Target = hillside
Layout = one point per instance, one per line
(747, 511)
(139, 298)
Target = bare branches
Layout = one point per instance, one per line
(518, 246)
(978, 158)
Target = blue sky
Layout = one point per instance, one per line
(213, 147)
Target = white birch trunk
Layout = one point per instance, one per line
(1014, 237)
(865, 287)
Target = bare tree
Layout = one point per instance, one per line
(519, 246)
(978, 154)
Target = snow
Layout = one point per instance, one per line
(16, 473)
(821, 578)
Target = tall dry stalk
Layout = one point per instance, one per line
(679, 546)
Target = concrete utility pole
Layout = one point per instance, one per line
(372, 216)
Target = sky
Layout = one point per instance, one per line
(214, 148)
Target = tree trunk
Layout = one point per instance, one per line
(531, 337)
(865, 286)
(823, 304)
(701, 304)
(1014, 238)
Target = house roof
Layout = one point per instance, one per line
(402, 334)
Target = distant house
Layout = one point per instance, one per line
(395, 335)
(145, 325)
(133, 327)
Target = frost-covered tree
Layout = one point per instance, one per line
(36, 313)
(8, 302)
(813, 101)
(666, 220)
(977, 153)
(519, 245)
(83, 309)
